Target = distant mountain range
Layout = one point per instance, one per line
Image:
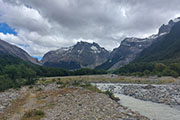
(81, 55)
(131, 48)
(164, 45)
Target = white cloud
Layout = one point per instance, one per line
(50, 24)
(22, 17)
(11, 38)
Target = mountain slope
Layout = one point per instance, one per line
(125, 53)
(166, 49)
(7, 48)
(81, 55)
(167, 28)
(131, 48)
(162, 58)
(15, 72)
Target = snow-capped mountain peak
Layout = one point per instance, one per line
(176, 20)
(82, 54)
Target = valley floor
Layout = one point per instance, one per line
(112, 78)
(66, 98)
(54, 102)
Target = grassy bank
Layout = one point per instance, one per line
(112, 79)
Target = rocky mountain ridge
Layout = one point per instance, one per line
(81, 55)
(91, 55)
(166, 50)
(131, 48)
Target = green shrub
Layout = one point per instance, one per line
(76, 83)
(147, 73)
(108, 93)
(111, 95)
(30, 87)
(39, 89)
(59, 82)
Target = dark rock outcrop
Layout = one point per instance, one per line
(81, 55)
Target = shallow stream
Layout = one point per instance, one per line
(154, 111)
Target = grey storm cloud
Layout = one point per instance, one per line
(50, 24)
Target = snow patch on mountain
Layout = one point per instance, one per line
(176, 20)
(163, 33)
(80, 51)
(153, 36)
(95, 49)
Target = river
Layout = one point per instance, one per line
(154, 111)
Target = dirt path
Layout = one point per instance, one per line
(30, 103)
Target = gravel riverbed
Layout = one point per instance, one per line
(72, 103)
(8, 96)
(166, 94)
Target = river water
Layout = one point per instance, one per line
(154, 111)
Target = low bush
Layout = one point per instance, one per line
(111, 95)
(33, 115)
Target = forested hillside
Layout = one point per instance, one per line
(162, 58)
(15, 72)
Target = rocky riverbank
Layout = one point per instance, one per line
(7, 97)
(166, 94)
(54, 102)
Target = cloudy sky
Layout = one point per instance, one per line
(42, 25)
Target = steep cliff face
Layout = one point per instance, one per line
(165, 50)
(81, 55)
(167, 28)
(131, 48)
(7, 48)
(126, 52)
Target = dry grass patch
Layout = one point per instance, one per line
(109, 78)
(33, 115)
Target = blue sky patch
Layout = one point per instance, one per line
(38, 57)
(5, 28)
